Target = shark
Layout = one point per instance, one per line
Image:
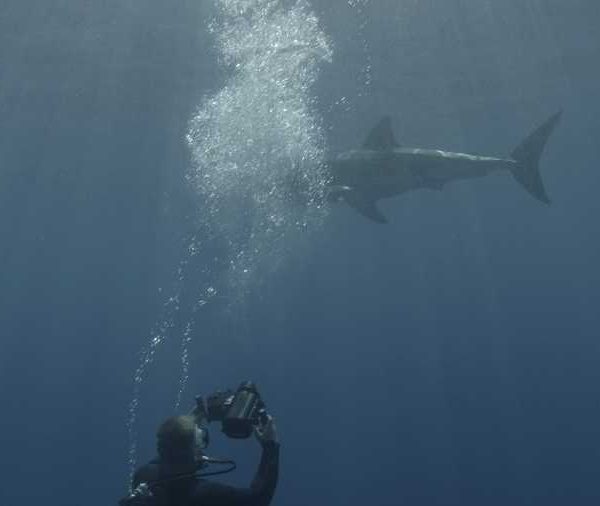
(382, 168)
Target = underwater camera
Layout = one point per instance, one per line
(239, 411)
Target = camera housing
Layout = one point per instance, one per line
(239, 411)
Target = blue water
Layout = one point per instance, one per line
(450, 357)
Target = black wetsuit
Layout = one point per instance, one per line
(199, 492)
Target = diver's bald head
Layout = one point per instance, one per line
(175, 439)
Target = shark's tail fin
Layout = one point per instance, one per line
(528, 153)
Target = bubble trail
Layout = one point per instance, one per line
(260, 137)
(257, 148)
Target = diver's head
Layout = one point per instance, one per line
(180, 443)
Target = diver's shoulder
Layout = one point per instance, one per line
(147, 473)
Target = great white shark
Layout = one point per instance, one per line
(382, 168)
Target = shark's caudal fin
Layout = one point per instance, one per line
(528, 155)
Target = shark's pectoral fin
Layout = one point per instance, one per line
(381, 136)
(365, 206)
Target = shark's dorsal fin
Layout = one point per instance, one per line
(381, 137)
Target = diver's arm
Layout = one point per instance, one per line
(266, 477)
(267, 474)
(263, 485)
(259, 493)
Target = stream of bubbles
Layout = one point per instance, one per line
(258, 150)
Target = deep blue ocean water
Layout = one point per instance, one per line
(449, 357)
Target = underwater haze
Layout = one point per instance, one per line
(165, 231)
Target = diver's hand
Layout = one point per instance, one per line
(266, 431)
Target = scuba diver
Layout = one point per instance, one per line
(177, 476)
